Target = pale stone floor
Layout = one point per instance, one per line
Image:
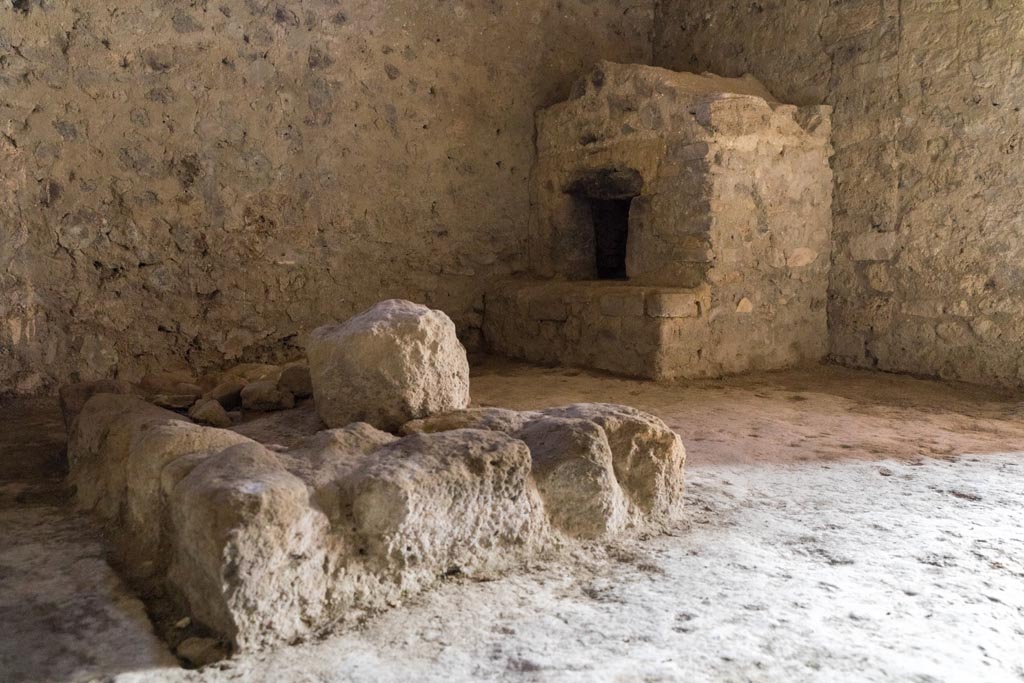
(843, 526)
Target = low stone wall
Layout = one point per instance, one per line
(266, 543)
(658, 333)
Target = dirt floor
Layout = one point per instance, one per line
(842, 526)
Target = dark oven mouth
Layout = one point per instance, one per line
(611, 236)
(608, 194)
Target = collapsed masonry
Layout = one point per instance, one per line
(268, 542)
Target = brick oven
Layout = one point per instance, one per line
(680, 227)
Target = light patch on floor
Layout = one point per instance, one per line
(859, 571)
(65, 615)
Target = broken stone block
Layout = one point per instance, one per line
(395, 362)
(74, 396)
(264, 395)
(153, 446)
(267, 543)
(100, 444)
(648, 457)
(431, 502)
(249, 551)
(326, 458)
(116, 454)
(209, 412)
(295, 379)
(572, 465)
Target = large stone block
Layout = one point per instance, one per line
(249, 550)
(100, 445)
(395, 362)
(647, 455)
(598, 466)
(572, 465)
(116, 453)
(432, 502)
(152, 448)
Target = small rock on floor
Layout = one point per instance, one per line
(198, 652)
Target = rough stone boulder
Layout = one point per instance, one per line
(269, 535)
(647, 460)
(171, 383)
(268, 545)
(648, 457)
(433, 502)
(249, 551)
(264, 395)
(209, 411)
(152, 448)
(250, 372)
(295, 380)
(572, 465)
(395, 362)
(228, 394)
(100, 444)
(325, 459)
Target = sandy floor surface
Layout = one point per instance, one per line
(822, 544)
(795, 416)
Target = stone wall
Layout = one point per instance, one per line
(197, 183)
(928, 266)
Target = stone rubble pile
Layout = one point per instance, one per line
(265, 543)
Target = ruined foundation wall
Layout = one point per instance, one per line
(195, 183)
(928, 265)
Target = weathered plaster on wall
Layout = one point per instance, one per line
(928, 271)
(194, 183)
